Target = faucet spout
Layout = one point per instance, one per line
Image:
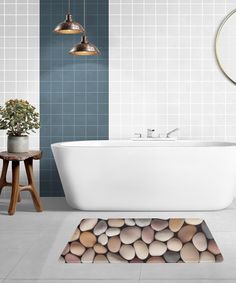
(150, 132)
(171, 132)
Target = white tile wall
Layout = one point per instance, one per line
(19, 57)
(163, 72)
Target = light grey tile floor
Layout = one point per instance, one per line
(30, 244)
(186, 281)
(114, 281)
(69, 281)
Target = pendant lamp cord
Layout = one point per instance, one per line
(84, 17)
(69, 9)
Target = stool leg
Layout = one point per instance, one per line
(3, 179)
(15, 187)
(29, 171)
(19, 198)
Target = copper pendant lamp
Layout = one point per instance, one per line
(69, 26)
(84, 48)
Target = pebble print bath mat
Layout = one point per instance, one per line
(141, 241)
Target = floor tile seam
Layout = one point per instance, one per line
(140, 272)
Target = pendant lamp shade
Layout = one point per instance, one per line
(69, 26)
(84, 48)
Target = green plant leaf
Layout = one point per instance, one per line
(19, 117)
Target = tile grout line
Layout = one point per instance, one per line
(140, 273)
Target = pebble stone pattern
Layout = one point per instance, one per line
(144, 240)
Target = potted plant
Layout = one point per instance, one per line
(19, 118)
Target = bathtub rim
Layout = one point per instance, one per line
(116, 143)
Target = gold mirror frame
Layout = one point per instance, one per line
(216, 44)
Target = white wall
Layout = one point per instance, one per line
(163, 72)
(19, 56)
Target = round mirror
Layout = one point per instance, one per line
(225, 46)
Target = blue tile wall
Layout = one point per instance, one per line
(73, 90)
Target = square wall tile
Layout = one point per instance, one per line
(74, 90)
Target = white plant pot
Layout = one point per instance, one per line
(18, 144)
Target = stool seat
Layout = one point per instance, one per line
(15, 158)
(35, 154)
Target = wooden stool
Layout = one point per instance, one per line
(16, 187)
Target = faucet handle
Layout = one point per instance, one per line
(138, 135)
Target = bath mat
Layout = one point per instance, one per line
(143, 240)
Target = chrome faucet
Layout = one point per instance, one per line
(149, 133)
(171, 132)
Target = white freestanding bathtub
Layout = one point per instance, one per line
(147, 175)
